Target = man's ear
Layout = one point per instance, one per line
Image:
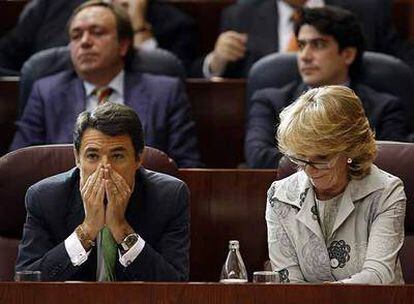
(77, 162)
(124, 46)
(139, 160)
(349, 55)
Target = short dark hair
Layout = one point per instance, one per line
(111, 119)
(123, 22)
(341, 24)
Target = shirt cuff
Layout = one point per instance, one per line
(132, 253)
(206, 68)
(75, 250)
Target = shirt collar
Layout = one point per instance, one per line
(285, 9)
(295, 188)
(116, 84)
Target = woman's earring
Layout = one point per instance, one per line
(349, 160)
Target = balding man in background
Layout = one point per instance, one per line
(101, 47)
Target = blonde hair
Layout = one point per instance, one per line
(327, 121)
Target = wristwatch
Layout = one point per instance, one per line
(128, 242)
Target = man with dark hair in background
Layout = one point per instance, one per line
(101, 43)
(254, 29)
(109, 218)
(331, 45)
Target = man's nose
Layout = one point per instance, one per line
(305, 53)
(105, 160)
(86, 39)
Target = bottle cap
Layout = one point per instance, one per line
(233, 244)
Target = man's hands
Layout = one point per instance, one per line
(106, 182)
(230, 46)
(118, 193)
(93, 194)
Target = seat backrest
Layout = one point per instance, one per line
(383, 73)
(22, 168)
(57, 59)
(396, 158)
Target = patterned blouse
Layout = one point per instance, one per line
(364, 240)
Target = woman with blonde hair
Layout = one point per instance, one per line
(339, 218)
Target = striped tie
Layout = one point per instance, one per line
(102, 94)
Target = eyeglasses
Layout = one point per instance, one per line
(323, 165)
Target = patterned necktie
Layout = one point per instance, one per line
(102, 94)
(110, 249)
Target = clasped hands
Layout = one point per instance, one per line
(105, 182)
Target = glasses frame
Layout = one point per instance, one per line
(316, 165)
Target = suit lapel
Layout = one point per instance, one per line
(76, 212)
(300, 89)
(137, 96)
(308, 213)
(73, 99)
(80, 96)
(70, 101)
(346, 207)
(135, 202)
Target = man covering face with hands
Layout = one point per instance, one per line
(108, 218)
(107, 175)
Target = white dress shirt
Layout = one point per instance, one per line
(117, 96)
(78, 254)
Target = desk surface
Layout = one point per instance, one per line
(200, 293)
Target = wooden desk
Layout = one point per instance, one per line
(201, 293)
(226, 205)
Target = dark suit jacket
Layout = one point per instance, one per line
(158, 211)
(42, 25)
(160, 101)
(260, 22)
(385, 113)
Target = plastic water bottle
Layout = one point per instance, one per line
(233, 270)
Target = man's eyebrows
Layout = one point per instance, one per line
(313, 39)
(89, 27)
(117, 149)
(91, 149)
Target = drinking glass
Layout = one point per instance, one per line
(267, 277)
(28, 275)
